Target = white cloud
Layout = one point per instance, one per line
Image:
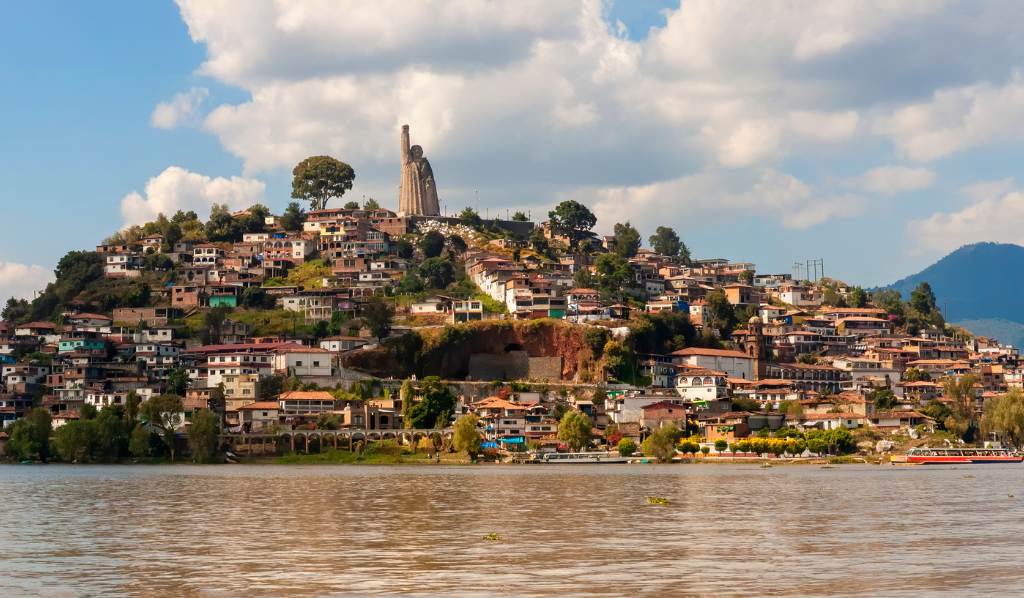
(178, 189)
(890, 180)
(22, 280)
(527, 102)
(956, 119)
(993, 218)
(180, 110)
(720, 197)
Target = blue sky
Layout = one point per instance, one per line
(876, 139)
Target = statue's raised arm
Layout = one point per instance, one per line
(405, 143)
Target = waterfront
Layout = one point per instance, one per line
(572, 530)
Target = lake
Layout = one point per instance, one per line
(562, 529)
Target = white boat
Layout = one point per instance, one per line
(589, 457)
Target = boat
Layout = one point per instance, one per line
(590, 457)
(937, 456)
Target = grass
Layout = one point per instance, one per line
(264, 322)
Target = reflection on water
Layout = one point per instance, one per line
(580, 530)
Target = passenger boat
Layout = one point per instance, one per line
(591, 457)
(937, 456)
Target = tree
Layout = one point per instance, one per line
(222, 227)
(257, 298)
(746, 277)
(857, 297)
(467, 435)
(883, 398)
(202, 436)
(457, 245)
(435, 406)
(404, 249)
(431, 244)
(627, 240)
(437, 272)
(410, 284)
(15, 310)
(665, 241)
(470, 218)
(351, 205)
(914, 374)
(959, 394)
(293, 217)
(922, 299)
(177, 381)
(662, 443)
(75, 441)
(378, 315)
(29, 437)
(140, 442)
(318, 179)
(614, 274)
(721, 445)
(575, 430)
(371, 204)
(520, 217)
(1004, 416)
(405, 395)
(112, 429)
(164, 412)
(626, 447)
(719, 314)
(572, 220)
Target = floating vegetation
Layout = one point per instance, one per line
(657, 500)
(492, 537)
(968, 476)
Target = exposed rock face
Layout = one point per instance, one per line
(538, 349)
(417, 194)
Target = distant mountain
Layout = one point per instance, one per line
(1008, 332)
(976, 282)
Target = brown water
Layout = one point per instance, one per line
(570, 530)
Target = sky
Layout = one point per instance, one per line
(876, 136)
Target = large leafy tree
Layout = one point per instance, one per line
(378, 314)
(1004, 416)
(467, 435)
(613, 273)
(293, 217)
(318, 179)
(165, 414)
(662, 443)
(434, 408)
(719, 314)
(202, 436)
(627, 240)
(665, 241)
(431, 244)
(575, 430)
(437, 272)
(30, 436)
(572, 220)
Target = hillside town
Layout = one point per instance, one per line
(541, 337)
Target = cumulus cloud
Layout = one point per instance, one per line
(957, 118)
(994, 218)
(890, 180)
(720, 196)
(549, 98)
(22, 280)
(179, 110)
(178, 189)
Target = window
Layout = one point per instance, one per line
(298, 364)
(316, 364)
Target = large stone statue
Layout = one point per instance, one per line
(417, 194)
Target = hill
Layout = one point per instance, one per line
(976, 282)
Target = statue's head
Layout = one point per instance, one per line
(416, 151)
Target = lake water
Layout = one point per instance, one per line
(570, 530)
